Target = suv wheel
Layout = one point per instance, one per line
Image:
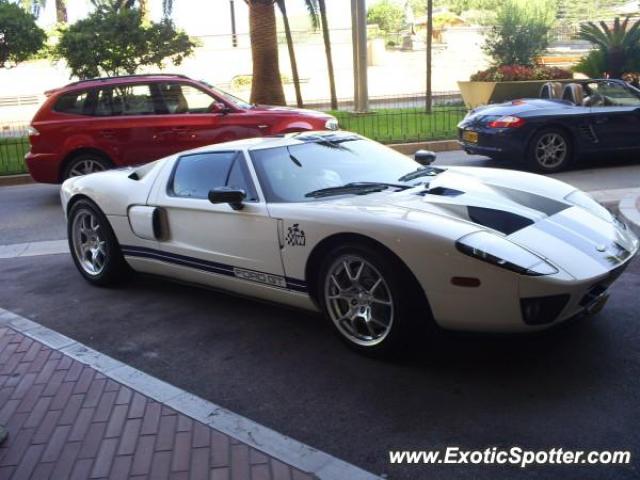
(85, 164)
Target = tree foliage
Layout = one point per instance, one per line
(388, 15)
(118, 41)
(618, 48)
(521, 31)
(20, 37)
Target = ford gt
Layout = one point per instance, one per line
(381, 243)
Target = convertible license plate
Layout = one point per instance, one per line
(469, 136)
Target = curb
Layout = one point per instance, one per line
(11, 180)
(436, 146)
(630, 211)
(281, 447)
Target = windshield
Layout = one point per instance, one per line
(227, 96)
(288, 174)
(610, 94)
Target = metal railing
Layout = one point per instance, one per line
(14, 144)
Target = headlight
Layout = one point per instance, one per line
(582, 200)
(503, 253)
(331, 124)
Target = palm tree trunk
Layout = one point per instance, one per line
(292, 53)
(61, 11)
(266, 87)
(327, 50)
(144, 10)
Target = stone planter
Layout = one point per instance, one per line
(475, 94)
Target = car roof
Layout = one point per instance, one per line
(286, 140)
(97, 82)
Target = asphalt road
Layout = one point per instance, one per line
(575, 388)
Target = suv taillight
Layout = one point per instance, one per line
(508, 121)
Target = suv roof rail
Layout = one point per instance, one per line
(136, 75)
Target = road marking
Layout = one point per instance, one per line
(285, 449)
(32, 249)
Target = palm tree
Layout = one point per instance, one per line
(292, 54)
(266, 86)
(327, 50)
(61, 11)
(617, 45)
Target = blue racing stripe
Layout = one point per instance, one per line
(207, 266)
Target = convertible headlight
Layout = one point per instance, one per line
(503, 253)
(582, 200)
(331, 124)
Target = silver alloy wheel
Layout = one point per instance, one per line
(88, 245)
(551, 150)
(85, 167)
(359, 300)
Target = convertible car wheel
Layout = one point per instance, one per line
(550, 151)
(93, 245)
(365, 297)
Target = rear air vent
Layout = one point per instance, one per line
(505, 222)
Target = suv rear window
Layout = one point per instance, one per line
(74, 103)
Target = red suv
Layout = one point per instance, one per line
(94, 125)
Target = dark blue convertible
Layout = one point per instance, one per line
(548, 133)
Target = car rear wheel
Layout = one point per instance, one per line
(93, 245)
(369, 301)
(550, 151)
(85, 164)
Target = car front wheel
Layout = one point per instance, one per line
(369, 300)
(94, 247)
(550, 151)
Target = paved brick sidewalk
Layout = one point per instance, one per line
(68, 421)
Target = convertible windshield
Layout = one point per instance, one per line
(300, 173)
(606, 93)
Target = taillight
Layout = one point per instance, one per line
(508, 121)
(32, 132)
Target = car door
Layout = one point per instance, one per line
(204, 238)
(615, 117)
(195, 118)
(127, 123)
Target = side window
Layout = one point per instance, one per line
(180, 98)
(74, 102)
(195, 175)
(125, 100)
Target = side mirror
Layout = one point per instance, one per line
(228, 195)
(218, 107)
(425, 157)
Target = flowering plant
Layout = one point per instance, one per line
(518, 73)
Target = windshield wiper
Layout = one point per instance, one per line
(357, 188)
(421, 172)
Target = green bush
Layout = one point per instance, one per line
(20, 37)
(521, 31)
(115, 42)
(388, 15)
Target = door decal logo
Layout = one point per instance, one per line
(295, 236)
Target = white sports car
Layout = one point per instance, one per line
(379, 242)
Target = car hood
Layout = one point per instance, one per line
(531, 210)
(271, 109)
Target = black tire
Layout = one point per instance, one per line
(554, 138)
(114, 267)
(411, 313)
(80, 163)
